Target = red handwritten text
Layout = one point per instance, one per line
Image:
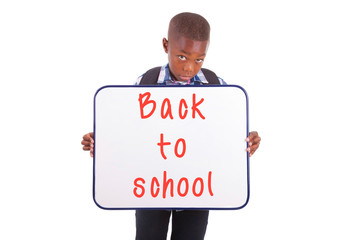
(166, 107)
(168, 187)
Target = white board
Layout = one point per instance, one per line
(187, 154)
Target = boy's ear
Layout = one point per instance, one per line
(165, 44)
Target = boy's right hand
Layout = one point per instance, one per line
(88, 142)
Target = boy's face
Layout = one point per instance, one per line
(185, 56)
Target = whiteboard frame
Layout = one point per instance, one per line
(171, 86)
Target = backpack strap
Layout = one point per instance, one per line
(211, 77)
(152, 75)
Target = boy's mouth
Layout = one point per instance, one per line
(185, 78)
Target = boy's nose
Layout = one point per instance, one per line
(188, 68)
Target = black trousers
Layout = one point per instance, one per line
(186, 225)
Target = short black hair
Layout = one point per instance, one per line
(190, 25)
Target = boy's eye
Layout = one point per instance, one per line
(199, 60)
(182, 57)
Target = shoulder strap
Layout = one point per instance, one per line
(150, 77)
(211, 77)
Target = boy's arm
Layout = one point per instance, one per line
(222, 82)
(253, 142)
(137, 82)
(87, 141)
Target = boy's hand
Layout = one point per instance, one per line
(253, 142)
(88, 142)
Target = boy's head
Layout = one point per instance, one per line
(187, 45)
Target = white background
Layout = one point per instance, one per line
(294, 58)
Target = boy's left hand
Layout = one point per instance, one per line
(253, 142)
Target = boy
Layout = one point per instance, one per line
(187, 45)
